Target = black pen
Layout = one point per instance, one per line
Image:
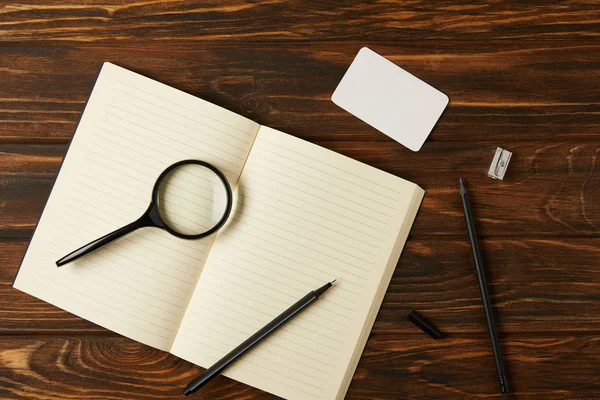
(485, 295)
(253, 340)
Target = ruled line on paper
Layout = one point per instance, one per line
(295, 197)
(342, 314)
(236, 340)
(52, 286)
(183, 107)
(74, 240)
(269, 315)
(295, 278)
(193, 128)
(287, 234)
(281, 282)
(265, 306)
(270, 361)
(267, 309)
(264, 345)
(329, 165)
(248, 333)
(151, 176)
(107, 249)
(318, 176)
(278, 333)
(117, 149)
(87, 296)
(145, 244)
(118, 112)
(311, 248)
(92, 212)
(106, 181)
(297, 274)
(324, 309)
(318, 227)
(320, 189)
(106, 292)
(167, 143)
(256, 366)
(261, 196)
(289, 258)
(213, 358)
(181, 154)
(283, 303)
(263, 203)
(107, 265)
(241, 204)
(129, 288)
(193, 210)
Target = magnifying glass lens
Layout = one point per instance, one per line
(192, 199)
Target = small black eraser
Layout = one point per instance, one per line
(424, 324)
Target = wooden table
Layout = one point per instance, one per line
(521, 75)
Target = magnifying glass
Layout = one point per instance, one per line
(191, 199)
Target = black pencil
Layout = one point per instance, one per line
(253, 340)
(485, 295)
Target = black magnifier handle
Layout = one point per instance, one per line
(149, 218)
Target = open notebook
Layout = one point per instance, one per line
(302, 216)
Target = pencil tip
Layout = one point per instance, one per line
(333, 281)
(463, 189)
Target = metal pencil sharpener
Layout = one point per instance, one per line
(499, 163)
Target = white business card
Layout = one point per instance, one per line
(390, 99)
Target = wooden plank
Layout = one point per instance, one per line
(549, 189)
(537, 286)
(502, 91)
(276, 21)
(402, 367)
(519, 75)
(456, 368)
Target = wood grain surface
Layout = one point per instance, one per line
(407, 367)
(521, 75)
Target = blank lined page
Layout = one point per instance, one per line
(131, 130)
(303, 216)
